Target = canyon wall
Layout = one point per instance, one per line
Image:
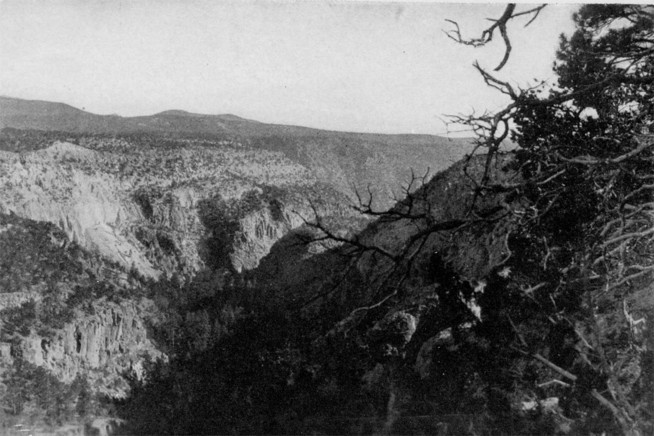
(150, 224)
(102, 347)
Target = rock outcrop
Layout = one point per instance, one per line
(70, 311)
(102, 347)
(51, 185)
(150, 224)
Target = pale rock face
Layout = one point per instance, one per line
(101, 346)
(65, 184)
(258, 232)
(88, 207)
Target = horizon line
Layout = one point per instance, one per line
(445, 135)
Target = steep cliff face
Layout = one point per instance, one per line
(69, 311)
(269, 215)
(258, 232)
(51, 185)
(150, 223)
(101, 347)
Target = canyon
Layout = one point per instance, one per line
(129, 201)
(153, 263)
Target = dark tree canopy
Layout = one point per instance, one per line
(584, 241)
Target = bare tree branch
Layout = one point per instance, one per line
(499, 24)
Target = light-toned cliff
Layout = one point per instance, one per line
(102, 347)
(150, 221)
(51, 185)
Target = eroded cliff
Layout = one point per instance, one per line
(69, 311)
(150, 222)
(102, 347)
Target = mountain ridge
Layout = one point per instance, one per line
(129, 124)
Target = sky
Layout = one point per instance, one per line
(351, 66)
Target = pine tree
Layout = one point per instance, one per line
(583, 249)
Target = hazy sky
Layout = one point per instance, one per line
(357, 66)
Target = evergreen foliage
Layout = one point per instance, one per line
(32, 394)
(582, 250)
(560, 318)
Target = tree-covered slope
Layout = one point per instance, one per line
(71, 325)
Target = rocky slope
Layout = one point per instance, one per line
(102, 347)
(69, 311)
(142, 210)
(361, 268)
